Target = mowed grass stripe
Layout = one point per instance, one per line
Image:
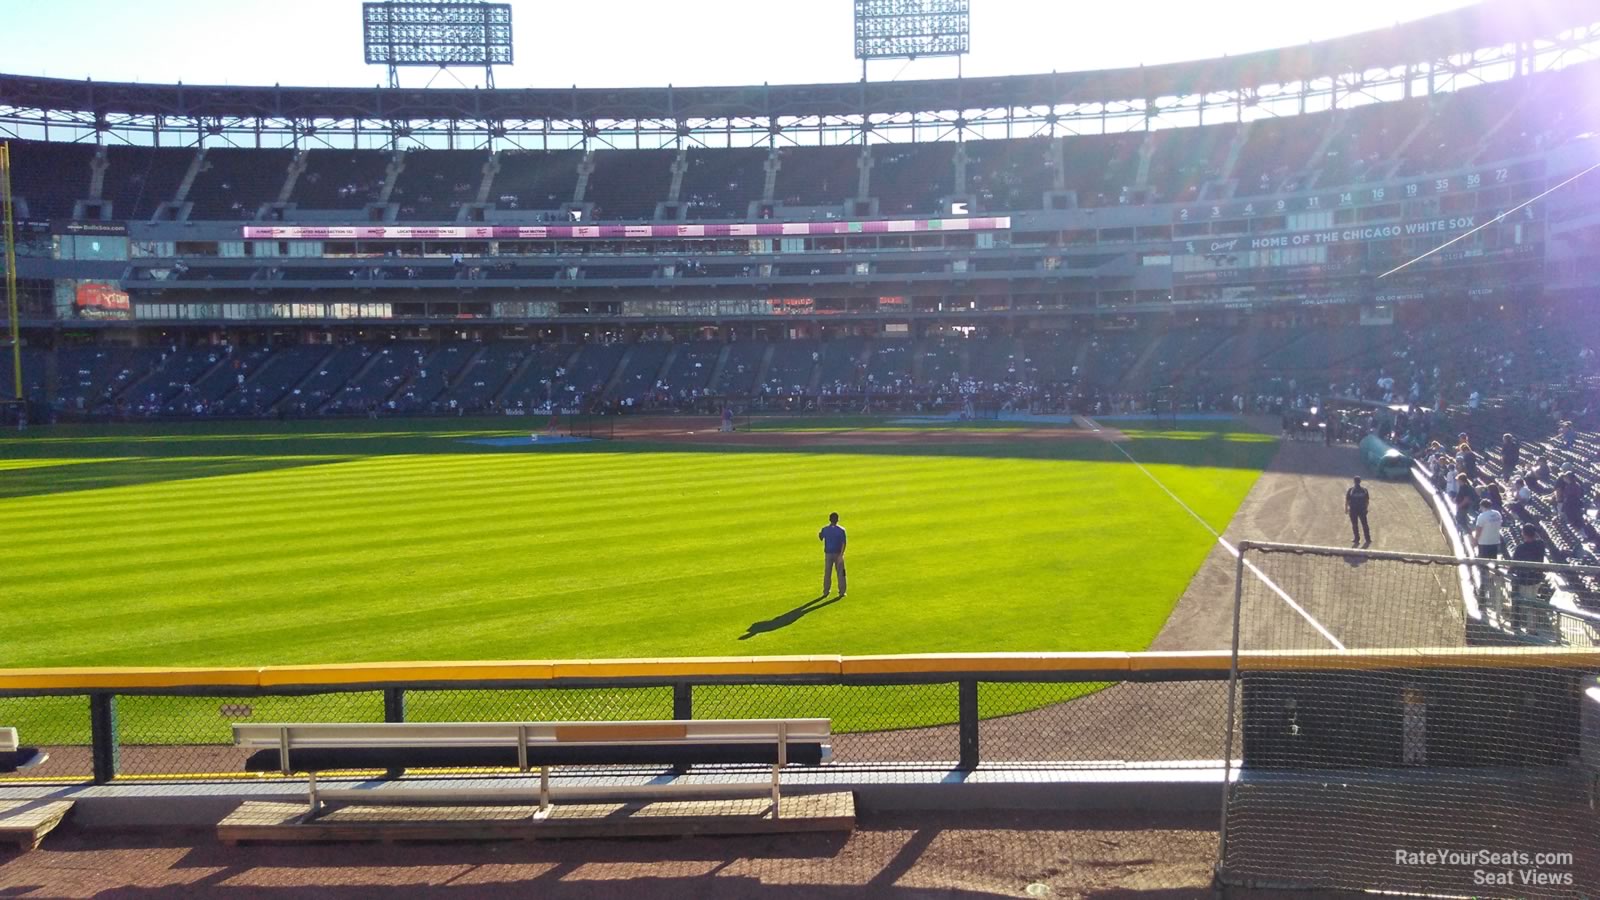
(606, 553)
(463, 508)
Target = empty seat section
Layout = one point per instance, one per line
(910, 179)
(941, 361)
(234, 184)
(1186, 158)
(50, 176)
(139, 179)
(341, 179)
(789, 372)
(1101, 168)
(421, 392)
(88, 377)
(485, 374)
(1456, 121)
(841, 368)
(593, 369)
(995, 360)
(818, 176)
(435, 183)
(394, 364)
(1049, 357)
(1365, 141)
(690, 372)
(1006, 175)
(173, 378)
(626, 185)
(721, 184)
(222, 380)
(740, 371)
(543, 380)
(273, 380)
(639, 376)
(536, 179)
(1275, 150)
(326, 379)
(889, 365)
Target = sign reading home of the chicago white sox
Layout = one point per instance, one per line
(1329, 236)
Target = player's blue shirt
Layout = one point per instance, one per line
(832, 539)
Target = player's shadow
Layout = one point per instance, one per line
(788, 618)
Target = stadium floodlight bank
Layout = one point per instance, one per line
(437, 35)
(909, 29)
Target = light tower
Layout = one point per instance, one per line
(439, 34)
(910, 29)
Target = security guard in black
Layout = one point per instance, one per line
(1355, 504)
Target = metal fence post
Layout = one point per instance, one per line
(394, 710)
(967, 701)
(394, 704)
(1219, 872)
(105, 749)
(682, 708)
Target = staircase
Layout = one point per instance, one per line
(196, 166)
(680, 165)
(297, 166)
(766, 363)
(397, 164)
(615, 378)
(1235, 150)
(1058, 159)
(585, 169)
(365, 367)
(97, 174)
(1335, 128)
(499, 397)
(1147, 153)
(769, 186)
(1398, 155)
(289, 390)
(715, 379)
(491, 168)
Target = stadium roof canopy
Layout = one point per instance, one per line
(1458, 48)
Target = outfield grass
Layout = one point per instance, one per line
(260, 543)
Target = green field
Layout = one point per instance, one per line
(258, 543)
(253, 544)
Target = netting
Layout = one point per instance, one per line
(1440, 766)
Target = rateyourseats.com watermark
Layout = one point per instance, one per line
(1498, 868)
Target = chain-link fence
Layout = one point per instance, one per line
(928, 722)
(1446, 766)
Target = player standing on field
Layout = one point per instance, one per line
(832, 538)
(1355, 505)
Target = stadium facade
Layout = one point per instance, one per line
(1271, 189)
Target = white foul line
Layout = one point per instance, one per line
(1232, 550)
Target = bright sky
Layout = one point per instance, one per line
(627, 43)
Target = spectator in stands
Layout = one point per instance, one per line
(1569, 495)
(1355, 506)
(1524, 581)
(1486, 530)
(1510, 453)
(1466, 500)
(1492, 493)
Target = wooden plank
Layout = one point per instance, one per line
(288, 822)
(24, 823)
